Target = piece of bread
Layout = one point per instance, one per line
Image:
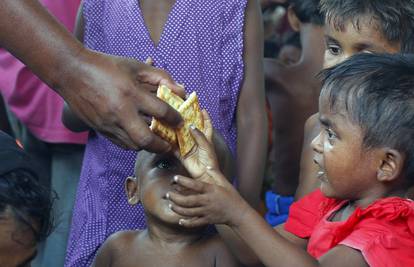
(191, 114)
(164, 131)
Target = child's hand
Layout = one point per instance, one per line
(203, 154)
(217, 203)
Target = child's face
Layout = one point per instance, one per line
(341, 45)
(346, 170)
(155, 176)
(17, 243)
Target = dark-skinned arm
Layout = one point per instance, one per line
(251, 114)
(108, 93)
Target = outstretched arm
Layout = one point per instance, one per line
(108, 93)
(217, 202)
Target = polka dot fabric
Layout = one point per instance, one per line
(202, 47)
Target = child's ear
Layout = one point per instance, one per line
(132, 190)
(392, 165)
(293, 19)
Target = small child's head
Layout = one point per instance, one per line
(375, 26)
(154, 175)
(304, 12)
(25, 206)
(366, 109)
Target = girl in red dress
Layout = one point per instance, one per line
(360, 215)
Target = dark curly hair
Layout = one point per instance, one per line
(29, 202)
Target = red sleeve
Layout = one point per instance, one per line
(304, 214)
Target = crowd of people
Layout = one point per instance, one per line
(306, 157)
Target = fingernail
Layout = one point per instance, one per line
(192, 127)
(170, 206)
(167, 195)
(209, 168)
(176, 178)
(180, 85)
(181, 221)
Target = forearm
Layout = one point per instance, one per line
(270, 247)
(251, 153)
(34, 36)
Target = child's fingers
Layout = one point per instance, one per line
(193, 222)
(187, 212)
(208, 127)
(189, 201)
(197, 186)
(201, 140)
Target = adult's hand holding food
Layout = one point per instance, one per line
(109, 93)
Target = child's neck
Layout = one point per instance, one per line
(379, 193)
(167, 235)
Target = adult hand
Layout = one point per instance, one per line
(112, 94)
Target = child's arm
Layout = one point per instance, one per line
(251, 114)
(223, 205)
(217, 202)
(308, 169)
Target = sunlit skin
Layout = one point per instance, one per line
(340, 45)
(17, 244)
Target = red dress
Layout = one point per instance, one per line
(383, 232)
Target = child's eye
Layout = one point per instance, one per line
(165, 164)
(334, 50)
(330, 134)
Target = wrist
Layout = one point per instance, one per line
(68, 68)
(239, 213)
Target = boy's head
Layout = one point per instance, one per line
(367, 111)
(304, 12)
(24, 206)
(154, 175)
(376, 26)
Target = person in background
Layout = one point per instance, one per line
(292, 90)
(25, 206)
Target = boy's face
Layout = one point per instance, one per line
(341, 45)
(155, 175)
(346, 170)
(17, 243)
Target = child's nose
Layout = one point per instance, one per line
(317, 144)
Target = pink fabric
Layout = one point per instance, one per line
(37, 106)
(383, 232)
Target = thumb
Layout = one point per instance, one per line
(156, 76)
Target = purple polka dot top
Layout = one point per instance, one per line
(202, 47)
